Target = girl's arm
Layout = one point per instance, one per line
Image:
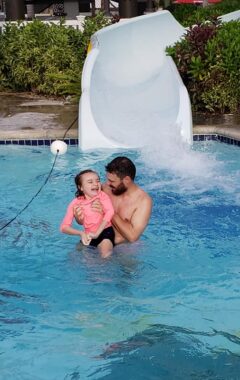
(94, 235)
(68, 219)
(66, 229)
(73, 231)
(66, 225)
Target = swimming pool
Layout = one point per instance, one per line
(166, 307)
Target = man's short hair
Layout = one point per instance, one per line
(122, 167)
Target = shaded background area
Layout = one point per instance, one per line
(16, 9)
(28, 116)
(25, 116)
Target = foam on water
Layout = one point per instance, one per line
(167, 151)
(158, 135)
(195, 169)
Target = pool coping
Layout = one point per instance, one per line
(229, 135)
(226, 134)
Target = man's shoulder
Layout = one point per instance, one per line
(142, 194)
(142, 199)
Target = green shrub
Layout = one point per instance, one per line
(45, 58)
(188, 14)
(208, 59)
(90, 26)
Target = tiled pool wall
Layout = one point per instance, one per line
(48, 142)
(36, 142)
(217, 137)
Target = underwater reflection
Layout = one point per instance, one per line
(122, 269)
(168, 352)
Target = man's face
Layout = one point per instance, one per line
(116, 184)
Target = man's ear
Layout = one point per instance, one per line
(127, 180)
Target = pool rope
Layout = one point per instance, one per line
(70, 126)
(45, 182)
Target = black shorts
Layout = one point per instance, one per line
(108, 233)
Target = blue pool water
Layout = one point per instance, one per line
(166, 307)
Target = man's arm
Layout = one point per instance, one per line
(131, 230)
(78, 214)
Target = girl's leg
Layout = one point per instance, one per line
(105, 248)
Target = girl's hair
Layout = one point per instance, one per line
(78, 181)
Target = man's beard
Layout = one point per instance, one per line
(119, 190)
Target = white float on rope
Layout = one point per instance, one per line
(58, 146)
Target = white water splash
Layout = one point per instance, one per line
(190, 170)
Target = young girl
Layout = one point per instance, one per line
(98, 231)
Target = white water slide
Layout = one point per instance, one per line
(130, 89)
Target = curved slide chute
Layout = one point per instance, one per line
(130, 88)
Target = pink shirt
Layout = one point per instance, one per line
(92, 219)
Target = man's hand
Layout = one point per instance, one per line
(78, 214)
(97, 206)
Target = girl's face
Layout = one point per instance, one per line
(90, 185)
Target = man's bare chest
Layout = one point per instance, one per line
(124, 207)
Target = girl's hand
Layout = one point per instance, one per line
(85, 238)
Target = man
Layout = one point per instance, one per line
(131, 204)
